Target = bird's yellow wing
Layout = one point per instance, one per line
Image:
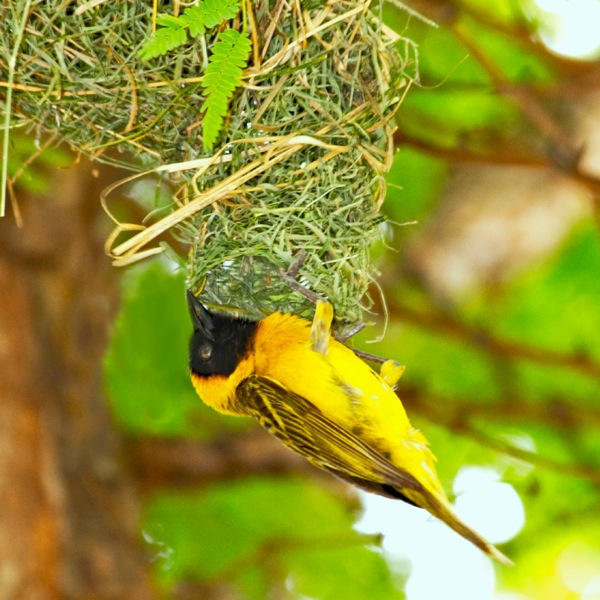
(301, 426)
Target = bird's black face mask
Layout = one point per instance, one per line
(219, 342)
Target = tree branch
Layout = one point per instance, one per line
(459, 416)
(184, 463)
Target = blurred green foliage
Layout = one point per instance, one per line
(262, 533)
(146, 363)
(419, 180)
(568, 318)
(146, 371)
(519, 366)
(30, 162)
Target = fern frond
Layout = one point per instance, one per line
(170, 21)
(223, 76)
(195, 20)
(209, 13)
(162, 41)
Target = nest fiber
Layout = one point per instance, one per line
(299, 167)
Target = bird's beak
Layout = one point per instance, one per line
(201, 318)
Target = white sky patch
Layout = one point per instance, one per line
(591, 591)
(444, 565)
(491, 507)
(569, 27)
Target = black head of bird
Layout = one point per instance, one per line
(218, 342)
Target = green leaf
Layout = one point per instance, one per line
(169, 21)
(410, 198)
(193, 17)
(161, 42)
(195, 20)
(216, 11)
(446, 117)
(223, 76)
(556, 305)
(29, 165)
(330, 573)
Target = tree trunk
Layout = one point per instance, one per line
(69, 519)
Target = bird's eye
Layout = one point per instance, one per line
(205, 352)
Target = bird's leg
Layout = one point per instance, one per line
(289, 278)
(344, 336)
(294, 268)
(321, 327)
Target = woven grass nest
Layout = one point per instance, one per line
(299, 165)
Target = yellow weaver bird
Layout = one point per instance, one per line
(322, 401)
